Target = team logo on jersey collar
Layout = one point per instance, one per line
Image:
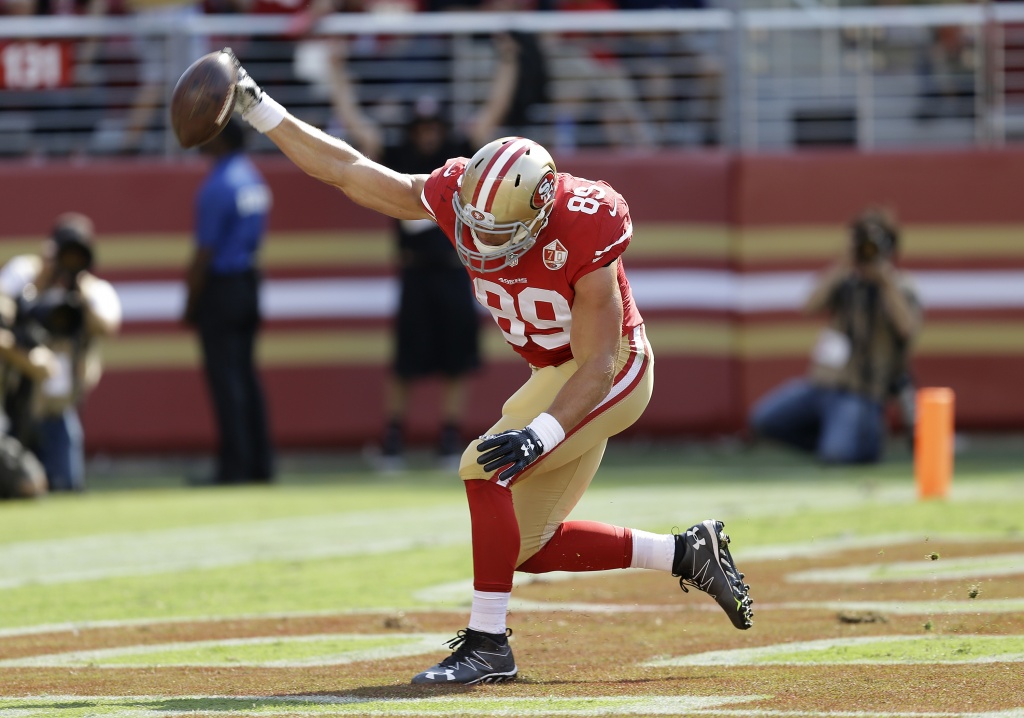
(545, 191)
(555, 255)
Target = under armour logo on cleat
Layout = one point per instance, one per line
(698, 542)
(448, 674)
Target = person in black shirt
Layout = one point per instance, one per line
(437, 325)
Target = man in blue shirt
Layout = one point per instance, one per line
(223, 304)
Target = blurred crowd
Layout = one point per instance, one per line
(622, 89)
(578, 70)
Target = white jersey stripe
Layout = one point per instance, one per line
(426, 205)
(620, 240)
(483, 190)
(640, 350)
(627, 379)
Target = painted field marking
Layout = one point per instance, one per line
(456, 591)
(909, 608)
(903, 608)
(141, 553)
(239, 706)
(326, 649)
(866, 650)
(459, 590)
(77, 626)
(482, 705)
(452, 597)
(1002, 564)
(138, 553)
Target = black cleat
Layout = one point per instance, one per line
(703, 561)
(476, 658)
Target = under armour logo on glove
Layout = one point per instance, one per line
(515, 449)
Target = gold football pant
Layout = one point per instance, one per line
(545, 493)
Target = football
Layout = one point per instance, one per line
(203, 99)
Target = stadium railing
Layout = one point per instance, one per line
(906, 76)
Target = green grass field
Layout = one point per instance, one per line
(146, 551)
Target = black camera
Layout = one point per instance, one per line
(872, 240)
(51, 315)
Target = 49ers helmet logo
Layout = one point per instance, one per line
(555, 255)
(482, 218)
(545, 191)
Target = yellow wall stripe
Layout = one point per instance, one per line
(276, 348)
(704, 338)
(701, 337)
(282, 249)
(693, 242)
(330, 248)
(681, 241)
(918, 242)
(972, 338)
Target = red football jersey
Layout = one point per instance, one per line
(588, 228)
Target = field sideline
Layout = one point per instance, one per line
(324, 593)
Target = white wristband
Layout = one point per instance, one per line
(266, 115)
(548, 430)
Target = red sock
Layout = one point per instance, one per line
(495, 535)
(583, 546)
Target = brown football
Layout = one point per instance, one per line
(203, 99)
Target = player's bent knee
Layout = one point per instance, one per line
(469, 469)
(473, 473)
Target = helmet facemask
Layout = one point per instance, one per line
(482, 231)
(503, 202)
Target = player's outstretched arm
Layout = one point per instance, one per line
(337, 163)
(329, 159)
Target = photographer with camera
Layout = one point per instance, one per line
(861, 359)
(21, 474)
(51, 360)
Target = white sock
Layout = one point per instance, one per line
(654, 551)
(488, 612)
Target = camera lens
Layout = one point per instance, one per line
(867, 251)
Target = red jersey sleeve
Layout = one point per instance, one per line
(438, 191)
(615, 237)
(596, 217)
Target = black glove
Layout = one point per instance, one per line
(516, 449)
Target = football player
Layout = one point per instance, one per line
(543, 251)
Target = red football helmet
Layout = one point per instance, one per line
(503, 202)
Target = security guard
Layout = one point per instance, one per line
(223, 304)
